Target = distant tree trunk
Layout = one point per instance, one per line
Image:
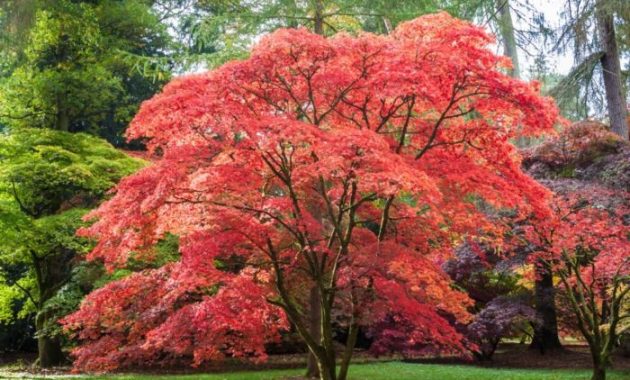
(546, 330)
(510, 49)
(611, 70)
(62, 119)
(506, 27)
(19, 17)
(319, 17)
(388, 25)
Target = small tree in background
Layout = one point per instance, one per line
(502, 317)
(502, 305)
(587, 245)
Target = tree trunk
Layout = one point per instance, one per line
(319, 18)
(546, 330)
(611, 71)
(599, 371)
(506, 26)
(599, 374)
(327, 370)
(353, 333)
(510, 49)
(312, 366)
(388, 25)
(49, 349)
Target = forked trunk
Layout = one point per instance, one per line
(314, 366)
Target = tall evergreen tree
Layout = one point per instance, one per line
(611, 66)
(589, 31)
(75, 74)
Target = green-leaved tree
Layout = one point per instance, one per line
(48, 180)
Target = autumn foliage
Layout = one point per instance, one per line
(587, 243)
(575, 145)
(352, 165)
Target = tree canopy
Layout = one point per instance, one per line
(351, 164)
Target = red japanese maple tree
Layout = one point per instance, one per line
(349, 166)
(586, 243)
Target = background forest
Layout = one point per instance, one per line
(73, 76)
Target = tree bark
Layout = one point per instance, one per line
(506, 26)
(312, 366)
(611, 71)
(353, 332)
(50, 354)
(319, 17)
(546, 330)
(49, 349)
(388, 25)
(62, 120)
(599, 371)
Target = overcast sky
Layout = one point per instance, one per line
(559, 63)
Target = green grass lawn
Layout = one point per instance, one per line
(387, 371)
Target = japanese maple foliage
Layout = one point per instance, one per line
(498, 319)
(587, 245)
(350, 164)
(575, 144)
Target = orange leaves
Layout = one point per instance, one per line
(423, 280)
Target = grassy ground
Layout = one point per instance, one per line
(384, 371)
